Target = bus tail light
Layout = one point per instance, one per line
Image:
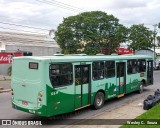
(40, 94)
(39, 99)
(25, 103)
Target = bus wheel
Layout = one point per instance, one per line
(99, 100)
(141, 88)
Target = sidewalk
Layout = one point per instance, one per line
(4, 78)
(129, 110)
(5, 83)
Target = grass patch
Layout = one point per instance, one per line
(152, 115)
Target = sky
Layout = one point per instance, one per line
(48, 14)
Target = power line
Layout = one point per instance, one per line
(69, 5)
(21, 19)
(50, 3)
(55, 3)
(61, 6)
(26, 26)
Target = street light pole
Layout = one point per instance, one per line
(155, 25)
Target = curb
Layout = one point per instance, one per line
(6, 90)
(5, 79)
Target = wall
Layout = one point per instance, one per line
(4, 69)
(36, 50)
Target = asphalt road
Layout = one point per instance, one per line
(6, 111)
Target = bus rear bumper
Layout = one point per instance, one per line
(39, 111)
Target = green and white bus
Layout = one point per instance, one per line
(52, 85)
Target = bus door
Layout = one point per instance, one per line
(82, 86)
(149, 72)
(121, 78)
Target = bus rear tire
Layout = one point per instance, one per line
(99, 100)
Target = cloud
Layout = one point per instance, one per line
(45, 15)
(123, 4)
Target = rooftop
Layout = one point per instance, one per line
(12, 38)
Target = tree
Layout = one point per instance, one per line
(9, 72)
(89, 32)
(140, 37)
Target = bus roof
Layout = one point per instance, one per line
(71, 58)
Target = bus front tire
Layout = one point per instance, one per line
(99, 100)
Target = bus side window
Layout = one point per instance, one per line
(134, 66)
(109, 69)
(61, 74)
(77, 75)
(98, 70)
(85, 75)
(131, 66)
(141, 65)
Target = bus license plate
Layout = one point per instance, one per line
(24, 103)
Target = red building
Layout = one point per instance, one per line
(121, 51)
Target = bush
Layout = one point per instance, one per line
(9, 71)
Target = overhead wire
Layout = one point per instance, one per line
(63, 6)
(26, 26)
(55, 3)
(21, 19)
(69, 5)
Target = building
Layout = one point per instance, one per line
(157, 51)
(38, 45)
(144, 52)
(149, 52)
(122, 51)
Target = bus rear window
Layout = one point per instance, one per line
(33, 65)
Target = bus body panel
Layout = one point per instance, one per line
(28, 83)
(60, 100)
(111, 88)
(121, 77)
(82, 75)
(132, 83)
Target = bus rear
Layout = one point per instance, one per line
(28, 85)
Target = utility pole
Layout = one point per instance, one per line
(155, 25)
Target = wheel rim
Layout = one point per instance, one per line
(99, 100)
